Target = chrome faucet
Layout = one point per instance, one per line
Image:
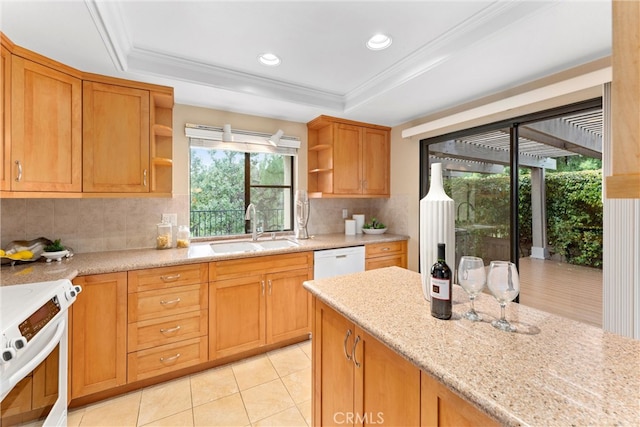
(254, 221)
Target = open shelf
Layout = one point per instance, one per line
(162, 130)
(161, 142)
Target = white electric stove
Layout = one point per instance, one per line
(33, 322)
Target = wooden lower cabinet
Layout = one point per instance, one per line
(380, 255)
(258, 301)
(99, 334)
(237, 316)
(356, 379)
(168, 320)
(167, 358)
(288, 305)
(442, 407)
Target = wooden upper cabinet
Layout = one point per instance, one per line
(46, 128)
(115, 138)
(625, 101)
(66, 133)
(348, 159)
(5, 114)
(376, 162)
(347, 155)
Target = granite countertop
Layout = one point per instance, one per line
(553, 371)
(113, 261)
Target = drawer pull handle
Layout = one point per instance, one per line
(173, 301)
(353, 352)
(170, 278)
(386, 249)
(169, 359)
(168, 331)
(19, 177)
(344, 344)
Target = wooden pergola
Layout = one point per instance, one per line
(540, 143)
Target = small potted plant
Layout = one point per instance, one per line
(55, 251)
(374, 227)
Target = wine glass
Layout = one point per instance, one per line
(472, 277)
(504, 284)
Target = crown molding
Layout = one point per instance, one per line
(165, 65)
(447, 46)
(109, 21)
(107, 17)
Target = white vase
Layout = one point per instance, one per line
(437, 225)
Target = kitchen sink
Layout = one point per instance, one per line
(278, 244)
(234, 247)
(244, 246)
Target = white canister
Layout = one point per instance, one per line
(359, 218)
(350, 227)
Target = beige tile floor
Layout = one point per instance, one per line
(273, 389)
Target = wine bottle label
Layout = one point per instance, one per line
(440, 288)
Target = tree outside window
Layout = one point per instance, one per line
(223, 183)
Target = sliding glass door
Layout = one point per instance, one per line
(525, 190)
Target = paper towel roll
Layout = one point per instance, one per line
(359, 218)
(350, 227)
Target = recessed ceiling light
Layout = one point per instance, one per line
(379, 42)
(269, 59)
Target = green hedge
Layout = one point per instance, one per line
(574, 212)
(574, 216)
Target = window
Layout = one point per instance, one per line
(224, 183)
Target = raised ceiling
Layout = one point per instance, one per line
(444, 53)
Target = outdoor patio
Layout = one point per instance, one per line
(567, 290)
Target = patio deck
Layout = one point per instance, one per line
(566, 290)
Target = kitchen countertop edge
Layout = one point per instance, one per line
(89, 263)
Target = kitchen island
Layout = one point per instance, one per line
(552, 371)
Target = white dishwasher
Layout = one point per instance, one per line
(334, 262)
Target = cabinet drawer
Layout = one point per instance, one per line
(167, 358)
(388, 248)
(243, 267)
(167, 277)
(399, 260)
(167, 330)
(167, 302)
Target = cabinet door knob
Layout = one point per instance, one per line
(144, 178)
(262, 284)
(270, 286)
(353, 352)
(344, 344)
(19, 176)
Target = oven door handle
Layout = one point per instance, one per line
(37, 359)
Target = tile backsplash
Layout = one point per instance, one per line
(95, 225)
(89, 225)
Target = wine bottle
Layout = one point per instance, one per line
(441, 287)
